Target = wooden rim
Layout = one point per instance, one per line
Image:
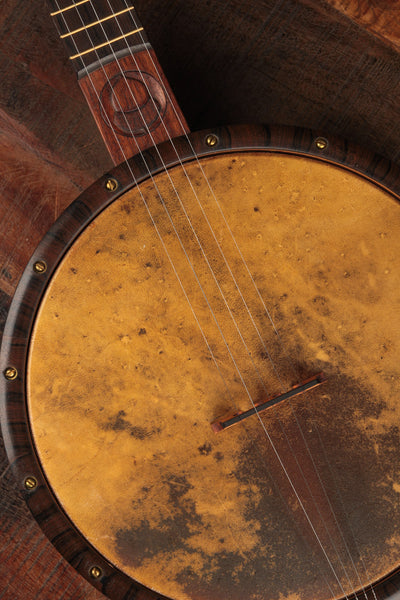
(14, 419)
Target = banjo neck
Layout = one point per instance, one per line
(119, 74)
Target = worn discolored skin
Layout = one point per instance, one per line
(122, 387)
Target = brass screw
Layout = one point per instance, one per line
(211, 140)
(40, 266)
(11, 373)
(95, 572)
(112, 184)
(30, 483)
(321, 143)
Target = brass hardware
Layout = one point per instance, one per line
(11, 373)
(30, 483)
(112, 184)
(95, 572)
(211, 140)
(321, 143)
(40, 266)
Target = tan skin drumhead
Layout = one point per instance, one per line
(129, 366)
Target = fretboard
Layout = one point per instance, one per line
(126, 89)
(97, 30)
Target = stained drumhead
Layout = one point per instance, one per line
(148, 313)
(152, 327)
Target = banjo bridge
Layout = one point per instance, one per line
(300, 388)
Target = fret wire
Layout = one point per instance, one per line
(121, 37)
(57, 12)
(121, 12)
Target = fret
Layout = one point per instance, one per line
(61, 10)
(108, 43)
(121, 12)
(95, 31)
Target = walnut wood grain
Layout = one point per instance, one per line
(133, 104)
(26, 160)
(382, 19)
(31, 567)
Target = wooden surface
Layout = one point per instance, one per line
(380, 17)
(328, 65)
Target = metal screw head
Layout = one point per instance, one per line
(40, 266)
(321, 143)
(95, 572)
(11, 373)
(211, 140)
(30, 483)
(111, 184)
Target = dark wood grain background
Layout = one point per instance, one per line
(332, 65)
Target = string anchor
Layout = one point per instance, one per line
(300, 388)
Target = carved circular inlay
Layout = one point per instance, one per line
(132, 103)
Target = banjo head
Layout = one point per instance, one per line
(150, 311)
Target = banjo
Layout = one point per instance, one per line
(199, 376)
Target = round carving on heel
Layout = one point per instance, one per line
(133, 103)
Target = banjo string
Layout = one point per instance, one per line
(213, 195)
(192, 228)
(206, 342)
(294, 369)
(234, 361)
(184, 250)
(228, 348)
(166, 252)
(177, 116)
